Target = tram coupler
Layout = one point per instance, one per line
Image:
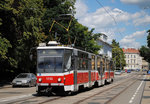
(48, 89)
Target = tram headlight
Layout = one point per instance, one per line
(59, 79)
(40, 79)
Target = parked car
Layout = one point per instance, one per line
(137, 70)
(123, 71)
(117, 72)
(148, 72)
(128, 71)
(24, 79)
(144, 70)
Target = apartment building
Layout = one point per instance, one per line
(133, 59)
(106, 49)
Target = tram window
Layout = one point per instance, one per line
(98, 63)
(50, 61)
(58, 64)
(83, 64)
(80, 63)
(103, 64)
(50, 64)
(111, 65)
(101, 67)
(93, 63)
(67, 59)
(107, 65)
(83, 61)
(77, 63)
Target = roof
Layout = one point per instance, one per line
(130, 50)
(55, 47)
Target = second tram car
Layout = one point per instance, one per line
(62, 68)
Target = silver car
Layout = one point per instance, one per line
(24, 79)
(117, 72)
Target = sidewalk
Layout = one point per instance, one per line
(146, 93)
(5, 85)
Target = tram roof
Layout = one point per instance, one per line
(55, 47)
(63, 47)
(66, 47)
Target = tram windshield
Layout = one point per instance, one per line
(53, 60)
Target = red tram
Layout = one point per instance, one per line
(62, 68)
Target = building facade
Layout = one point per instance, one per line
(133, 59)
(106, 49)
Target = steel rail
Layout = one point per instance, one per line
(80, 101)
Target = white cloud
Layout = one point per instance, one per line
(81, 9)
(142, 21)
(101, 19)
(129, 41)
(110, 23)
(141, 3)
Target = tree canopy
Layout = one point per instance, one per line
(118, 55)
(26, 23)
(145, 50)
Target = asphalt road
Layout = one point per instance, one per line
(12, 94)
(132, 95)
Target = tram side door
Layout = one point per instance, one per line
(89, 68)
(75, 73)
(101, 70)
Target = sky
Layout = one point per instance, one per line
(126, 21)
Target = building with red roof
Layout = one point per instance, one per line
(133, 59)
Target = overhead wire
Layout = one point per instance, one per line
(109, 15)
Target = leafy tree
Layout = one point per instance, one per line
(30, 27)
(66, 29)
(148, 39)
(82, 37)
(21, 29)
(4, 45)
(25, 23)
(118, 55)
(145, 50)
(56, 10)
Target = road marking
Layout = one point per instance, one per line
(131, 100)
(14, 98)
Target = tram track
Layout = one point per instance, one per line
(80, 101)
(113, 98)
(107, 102)
(45, 100)
(34, 100)
(106, 90)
